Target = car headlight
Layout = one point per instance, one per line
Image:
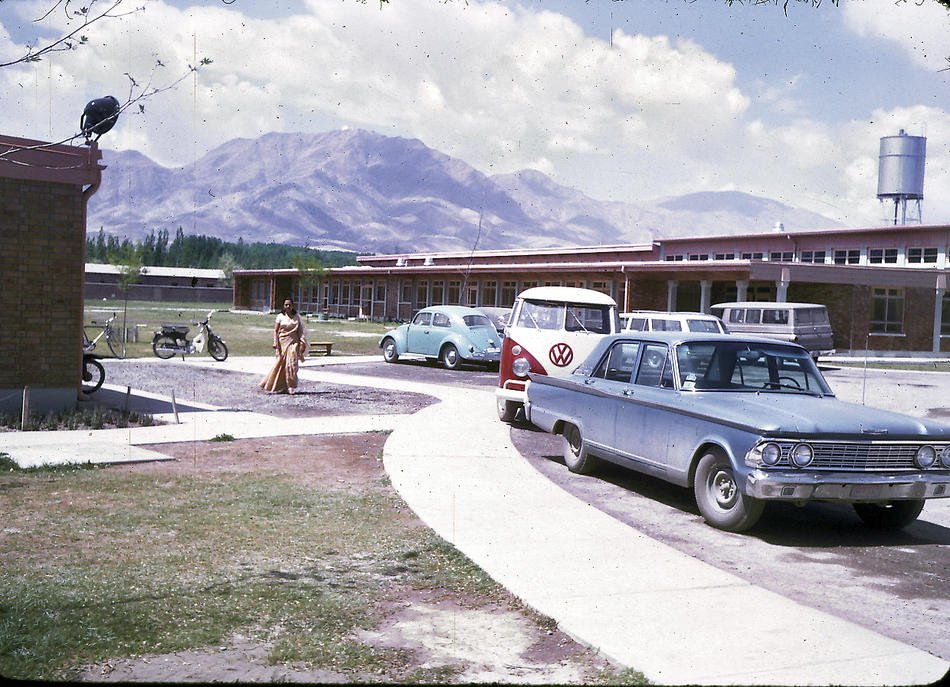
(771, 454)
(516, 350)
(520, 367)
(926, 457)
(801, 455)
(945, 457)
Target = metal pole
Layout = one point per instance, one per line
(25, 410)
(175, 408)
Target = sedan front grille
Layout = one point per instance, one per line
(840, 455)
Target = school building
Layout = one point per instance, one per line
(885, 287)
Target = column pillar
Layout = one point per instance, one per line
(705, 294)
(742, 289)
(671, 286)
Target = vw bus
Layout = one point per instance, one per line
(551, 330)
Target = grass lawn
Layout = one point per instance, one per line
(244, 332)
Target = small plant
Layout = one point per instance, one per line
(223, 437)
(86, 418)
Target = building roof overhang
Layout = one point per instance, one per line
(30, 160)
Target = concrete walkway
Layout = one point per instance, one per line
(640, 602)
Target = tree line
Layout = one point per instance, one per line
(207, 252)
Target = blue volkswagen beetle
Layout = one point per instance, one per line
(742, 421)
(453, 334)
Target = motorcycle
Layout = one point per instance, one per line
(93, 373)
(173, 340)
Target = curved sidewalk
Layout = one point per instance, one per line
(640, 602)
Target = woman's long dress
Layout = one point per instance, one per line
(290, 334)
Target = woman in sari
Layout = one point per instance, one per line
(290, 346)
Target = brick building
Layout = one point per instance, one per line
(43, 194)
(885, 287)
(174, 284)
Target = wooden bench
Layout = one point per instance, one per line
(326, 346)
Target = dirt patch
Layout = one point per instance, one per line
(442, 636)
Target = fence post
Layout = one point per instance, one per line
(25, 410)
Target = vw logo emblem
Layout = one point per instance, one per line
(561, 354)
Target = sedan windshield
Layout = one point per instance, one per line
(745, 366)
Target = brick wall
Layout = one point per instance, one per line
(43, 228)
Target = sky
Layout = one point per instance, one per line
(627, 100)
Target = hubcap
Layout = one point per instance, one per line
(451, 356)
(724, 487)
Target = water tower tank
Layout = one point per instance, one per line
(900, 175)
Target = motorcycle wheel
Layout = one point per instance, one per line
(93, 375)
(165, 342)
(217, 349)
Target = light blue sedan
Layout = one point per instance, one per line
(741, 421)
(453, 334)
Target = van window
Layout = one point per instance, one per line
(703, 326)
(812, 316)
(637, 324)
(541, 315)
(588, 318)
(663, 325)
(776, 316)
(745, 315)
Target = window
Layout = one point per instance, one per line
(781, 256)
(813, 256)
(878, 256)
(438, 292)
(698, 256)
(887, 311)
(405, 293)
(655, 368)
(455, 292)
(725, 256)
(745, 316)
(851, 256)
(488, 293)
(617, 366)
(664, 325)
(675, 258)
(380, 291)
(440, 319)
(508, 293)
(422, 319)
(422, 293)
(775, 316)
(601, 286)
(752, 256)
(588, 318)
(921, 255)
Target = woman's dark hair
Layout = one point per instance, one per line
(293, 308)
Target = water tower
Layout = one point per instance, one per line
(900, 174)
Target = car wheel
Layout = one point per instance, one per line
(390, 354)
(450, 357)
(892, 515)
(576, 456)
(719, 498)
(507, 409)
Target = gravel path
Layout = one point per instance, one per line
(240, 391)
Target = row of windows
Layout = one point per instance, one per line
(844, 256)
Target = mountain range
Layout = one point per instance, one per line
(362, 191)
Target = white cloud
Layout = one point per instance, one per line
(502, 88)
(919, 27)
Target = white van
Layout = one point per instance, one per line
(806, 324)
(656, 321)
(551, 330)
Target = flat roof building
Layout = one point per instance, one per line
(885, 287)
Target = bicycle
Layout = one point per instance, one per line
(115, 342)
(93, 373)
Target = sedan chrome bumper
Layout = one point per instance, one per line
(844, 486)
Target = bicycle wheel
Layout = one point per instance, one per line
(93, 375)
(116, 343)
